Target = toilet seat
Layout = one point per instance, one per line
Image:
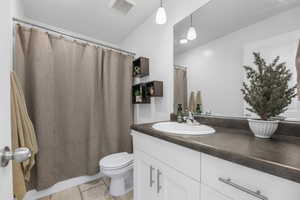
(116, 161)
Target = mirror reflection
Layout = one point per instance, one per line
(213, 44)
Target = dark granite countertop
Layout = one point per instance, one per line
(279, 156)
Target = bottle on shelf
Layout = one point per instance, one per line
(138, 96)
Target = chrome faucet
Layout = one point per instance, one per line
(191, 117)
(208, 112)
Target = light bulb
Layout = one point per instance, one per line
(183, 41)
(161, 16)
(192, 34)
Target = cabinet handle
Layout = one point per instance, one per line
(151, 176)
(158, 181)
(256, 194)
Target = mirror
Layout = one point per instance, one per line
(210, 67)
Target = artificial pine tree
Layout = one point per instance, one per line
(267, 92)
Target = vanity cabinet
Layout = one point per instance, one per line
(144, 177)
(155, 180)
(208, 193)
(166, 171)
(239, 182)
(176, 186)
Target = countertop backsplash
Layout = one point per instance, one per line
(285, 128)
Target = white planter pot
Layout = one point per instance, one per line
(263, 129)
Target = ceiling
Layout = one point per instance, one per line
(219, 18)
(92, 18)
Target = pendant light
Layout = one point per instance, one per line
(161, 15)
(191, 34)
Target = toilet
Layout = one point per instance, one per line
(119, 168)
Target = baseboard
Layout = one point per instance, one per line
(35, 195)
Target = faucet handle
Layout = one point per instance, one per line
(190, 114)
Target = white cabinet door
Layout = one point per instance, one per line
(154, 180)
(210, 194)
(5, 64)
(180, 158)
(144, 177)
(173, 185)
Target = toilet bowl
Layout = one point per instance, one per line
(119, 168)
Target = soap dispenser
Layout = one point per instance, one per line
(179, 114)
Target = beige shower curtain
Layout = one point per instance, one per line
(180, 87)
(298, 69)
(79, 99)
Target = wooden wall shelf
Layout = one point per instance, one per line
(142, 92)
(139, 94)
(141, 67)
(155, 88)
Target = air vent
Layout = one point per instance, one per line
(123, 6)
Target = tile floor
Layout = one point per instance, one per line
(95, 190)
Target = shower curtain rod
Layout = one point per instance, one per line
(72, 36)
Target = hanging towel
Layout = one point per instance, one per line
(298, 69)
(198, 98)
(23, 135)
(192, 103)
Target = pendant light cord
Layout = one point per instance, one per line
(161, 3)
(191, 19)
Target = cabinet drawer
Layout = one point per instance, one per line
(208, 193)
(180, 158)
(241, 183)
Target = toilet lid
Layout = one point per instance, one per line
(117, 160)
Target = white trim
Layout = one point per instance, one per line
(35, 195)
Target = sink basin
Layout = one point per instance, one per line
(183, 129)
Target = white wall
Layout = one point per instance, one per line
(5, 63)
(216, 68)
(156, 42)
(17, 8)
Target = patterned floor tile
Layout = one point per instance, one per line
(106, 180)
(95, 190)
(90, 185)
(97, 193)
(45, 198)
(128, 196)
(69, 194)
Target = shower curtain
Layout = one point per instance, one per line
(180, 87)
(79, 99)
(298, 69)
